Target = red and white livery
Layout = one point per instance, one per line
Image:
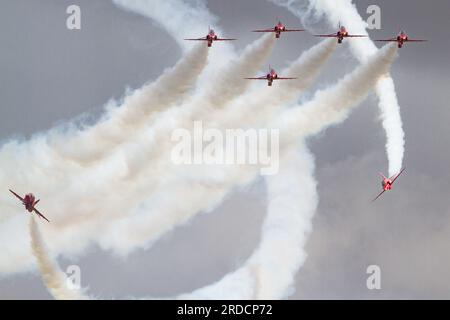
(29, 201)
(210, 38)
(270, 77)
(278, 29)
(401, 38)
(341, 34)
(387, 183)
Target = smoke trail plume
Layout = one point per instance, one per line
(138, 109)
(333, 104)
(162, 214)
(269, 272)
(257, 106)
(89, 193)
(271, 278)
(183, 19)
(54, 279)
(362, 49)
(150, 191)
(309, 59)
(286, 226)
(268, 268)
(229, 81)
(154, 143)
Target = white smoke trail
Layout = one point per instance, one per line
(344, 11)
(89, 193)
(138, 109)
(274, 276)
(258, 269)
(54, 279)
(238, 285)
(275, 267)
(272, 266)
(162, 213)
(286, 226)
(258, 106)
(205, 105)
(333, 104)
(229, 81)
(183, 19)
(34, 165)
(269, 272)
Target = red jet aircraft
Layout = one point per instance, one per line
(387, 183)
(401, 38)
(29, 202)
(341, 34)
(270, 77)
(278, 29)
(210, 37)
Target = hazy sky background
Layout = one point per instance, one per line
(49, 74)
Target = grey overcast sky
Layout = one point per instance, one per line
(49, 74)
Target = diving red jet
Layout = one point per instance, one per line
(401, 38)
(270, 77)
(29, 202)
(278, 29)
(210, 37)
(387, 183)
(340, 34)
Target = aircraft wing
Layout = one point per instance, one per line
(224, 39)
(379, 195)
(395, 178)
(356, 36)
(387, 40)
(197, 39)
(257, 78)
(293, 30)
(21, 199)
(332, 35)
(40, 214)
(264, 30)
(416, 40)
(284, 78)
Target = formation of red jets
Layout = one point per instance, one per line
(29, 200)
(279, 28)
(340, 34)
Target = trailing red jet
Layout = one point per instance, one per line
(341, 34)
(401, 38)
(29, 202)
(278, 29)
(387, 183)
(270, 77)
(210, 38)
